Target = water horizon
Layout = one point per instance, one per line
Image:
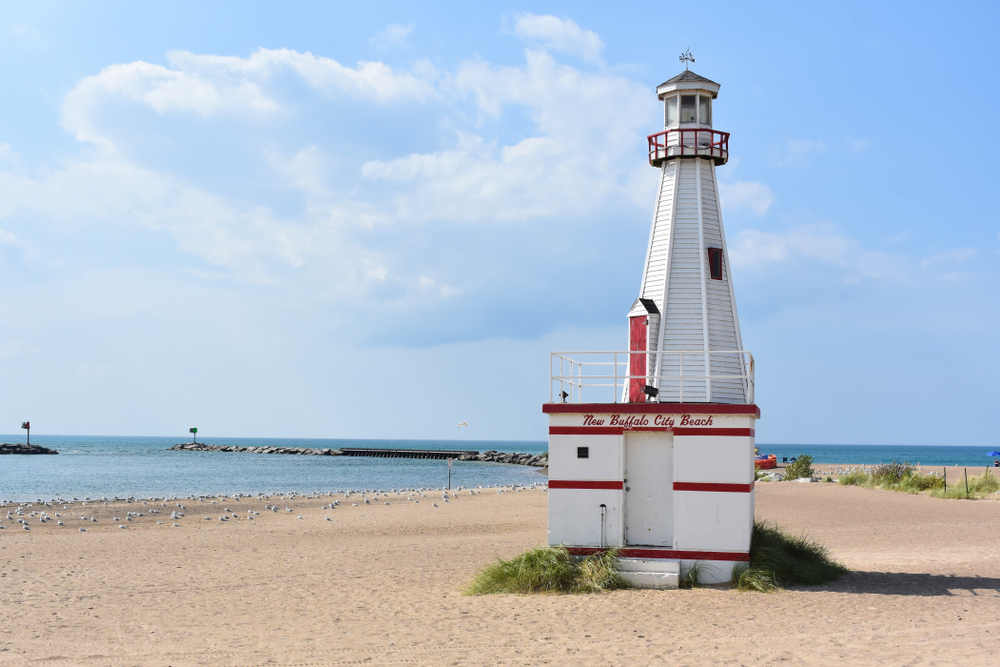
(144, 466)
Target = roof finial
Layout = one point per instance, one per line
(686, 58)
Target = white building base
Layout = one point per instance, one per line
(650, 573)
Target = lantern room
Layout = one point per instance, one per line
(687, 100)
(687, 121)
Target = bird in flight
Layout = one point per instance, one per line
(463, 424)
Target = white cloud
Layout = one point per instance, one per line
(561, 35)
(949, 257)
(323, 217)
(746, 195)
(588, 128)
(207, 85)
(23, 30)
(797, 152)
(10, 240)
(815, 244)
(304, 170)
(394, 34)
(8, 155)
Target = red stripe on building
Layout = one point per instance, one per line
(618, 430)
(717, 487)
(585, 430)
(665, 554)
(583, 484)
(651, 409)
(745, 432)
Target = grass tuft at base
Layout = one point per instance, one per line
(778, 559)
(549, 570)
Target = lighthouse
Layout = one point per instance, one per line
(651, 449)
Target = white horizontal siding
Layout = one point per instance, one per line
(675, 266)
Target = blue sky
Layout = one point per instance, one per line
(357, 220)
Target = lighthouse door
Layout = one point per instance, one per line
(649, 474)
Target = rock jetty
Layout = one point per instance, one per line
(492, 456)
(304, 451)
(517, 458)
(8, 448)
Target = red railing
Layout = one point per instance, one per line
(688, 142)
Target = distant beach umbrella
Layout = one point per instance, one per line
(993, 454)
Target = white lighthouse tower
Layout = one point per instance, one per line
(652, 449)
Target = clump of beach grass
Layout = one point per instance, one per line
(549, 570)
(979, 486)
(778, 559)
(904, 478)
(802, 467)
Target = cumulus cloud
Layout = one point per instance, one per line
(588, 127)
(11, 241)
(208, 85)
(364, 216)
(8, 155)
(814, 244)
(797, 152)
(561, 34)
(24, 30)
(394, 34)
(746, 195)
(949, 258)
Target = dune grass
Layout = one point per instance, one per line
(905, 478)
(778, 559)
(549, 570)
(802, 467)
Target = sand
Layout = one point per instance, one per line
(380, 585)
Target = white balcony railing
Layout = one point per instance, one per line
(692, 376)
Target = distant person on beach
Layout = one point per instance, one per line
(996, 463)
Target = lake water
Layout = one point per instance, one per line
(121, 466)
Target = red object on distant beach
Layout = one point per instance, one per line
(766, 462)
(25, 424)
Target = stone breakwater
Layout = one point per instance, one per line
(516, 458)
(202, 447)
(8, 448)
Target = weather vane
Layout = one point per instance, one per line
(686, 58)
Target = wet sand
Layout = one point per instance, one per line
(380, 584)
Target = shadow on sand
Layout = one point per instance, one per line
(906, 583)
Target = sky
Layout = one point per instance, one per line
(376, 220)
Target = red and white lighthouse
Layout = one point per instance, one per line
(652, 449)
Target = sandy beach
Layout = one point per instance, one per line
(380, 584)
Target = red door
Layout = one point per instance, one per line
(637, 327)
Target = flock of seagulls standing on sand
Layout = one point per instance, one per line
(24, 512)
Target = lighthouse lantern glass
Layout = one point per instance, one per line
(671, 113)
(705, 110)
(689, 108)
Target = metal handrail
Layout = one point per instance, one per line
(716, 148)
(572, 378)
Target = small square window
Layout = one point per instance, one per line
(715, 263)
(583, 452)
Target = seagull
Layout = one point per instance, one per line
(463, 424)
